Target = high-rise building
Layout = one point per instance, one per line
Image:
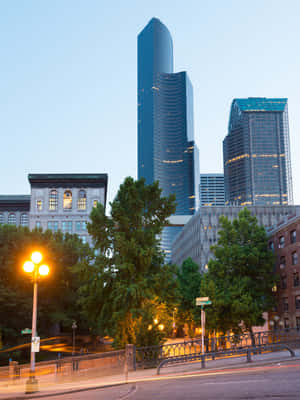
(211, 190)
(166, 149)
(257, 165)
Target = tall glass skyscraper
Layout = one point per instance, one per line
(166, 149)
(257, 164)
(211, 190)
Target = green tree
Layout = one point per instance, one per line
(128, 272)
(240, 278)
(189, 280)
(57, 292)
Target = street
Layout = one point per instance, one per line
(279, 381)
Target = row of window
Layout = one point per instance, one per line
(66, 226)
(293, 239)
(287, 323)
(67, 201)
(286, 303)
(296, 280)
(12, 219)
(294, 259)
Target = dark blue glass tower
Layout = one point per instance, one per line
(166, 149)
(257, 164)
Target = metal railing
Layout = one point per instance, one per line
(151, 356)
(212, 355)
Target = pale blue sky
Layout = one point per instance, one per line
(68, 79)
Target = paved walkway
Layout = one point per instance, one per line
(49, 386)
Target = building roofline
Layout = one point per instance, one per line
(35, 178)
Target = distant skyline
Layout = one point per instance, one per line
(69, 79)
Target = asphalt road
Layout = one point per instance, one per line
(269, 382)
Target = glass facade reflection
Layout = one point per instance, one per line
(257, 165)
(166, 149)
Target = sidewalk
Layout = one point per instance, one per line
(47, 387)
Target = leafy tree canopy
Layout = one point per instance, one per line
(120, 284)
(240, 278)
(57, 292)
(189, 280)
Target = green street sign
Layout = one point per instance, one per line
(26, 331)
(202, 301)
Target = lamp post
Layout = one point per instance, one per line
(36, 269)
(74, 327)
(174, 323)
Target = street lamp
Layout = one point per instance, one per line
(74, 326)
(36, 269)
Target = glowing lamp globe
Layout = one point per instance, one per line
(36, 257)
(28, 266)
(44, 270)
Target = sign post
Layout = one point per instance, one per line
(202, 301)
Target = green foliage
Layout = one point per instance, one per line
(189, 281)
(240, 278)
(56, 293)
(128, 272)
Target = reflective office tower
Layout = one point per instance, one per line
(211, 190)
(257, 165)
(166, 149)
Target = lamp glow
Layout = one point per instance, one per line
(44, 270)
(28, 266)
(36, 257)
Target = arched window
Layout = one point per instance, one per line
(294, 258)
(53, 200)
(12, 219)
(81, 203)
(67, 200)
(24, 219)
(1, 219)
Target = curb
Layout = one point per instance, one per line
(199, 372)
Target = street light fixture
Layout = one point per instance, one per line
(74, 327)
(37, 269)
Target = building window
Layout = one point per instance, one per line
(95, 202)
(24, 219)
(38, 224)
(39, 205)
(286, 323)
(297, 302)
(53, 200)
(80, 225)
(282, 262)
(53, 226)
(293, 236)
(81, 204)
(285, 304)
(68, 200)
(1, 219)
(271, 246)
(283, 282)
(298, 322)
(294, 258)
(296, 279)
(66, 226)
(12, 220)
(281, 242)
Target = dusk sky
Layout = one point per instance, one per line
(68, 87)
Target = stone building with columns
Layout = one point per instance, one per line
(57, 202)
